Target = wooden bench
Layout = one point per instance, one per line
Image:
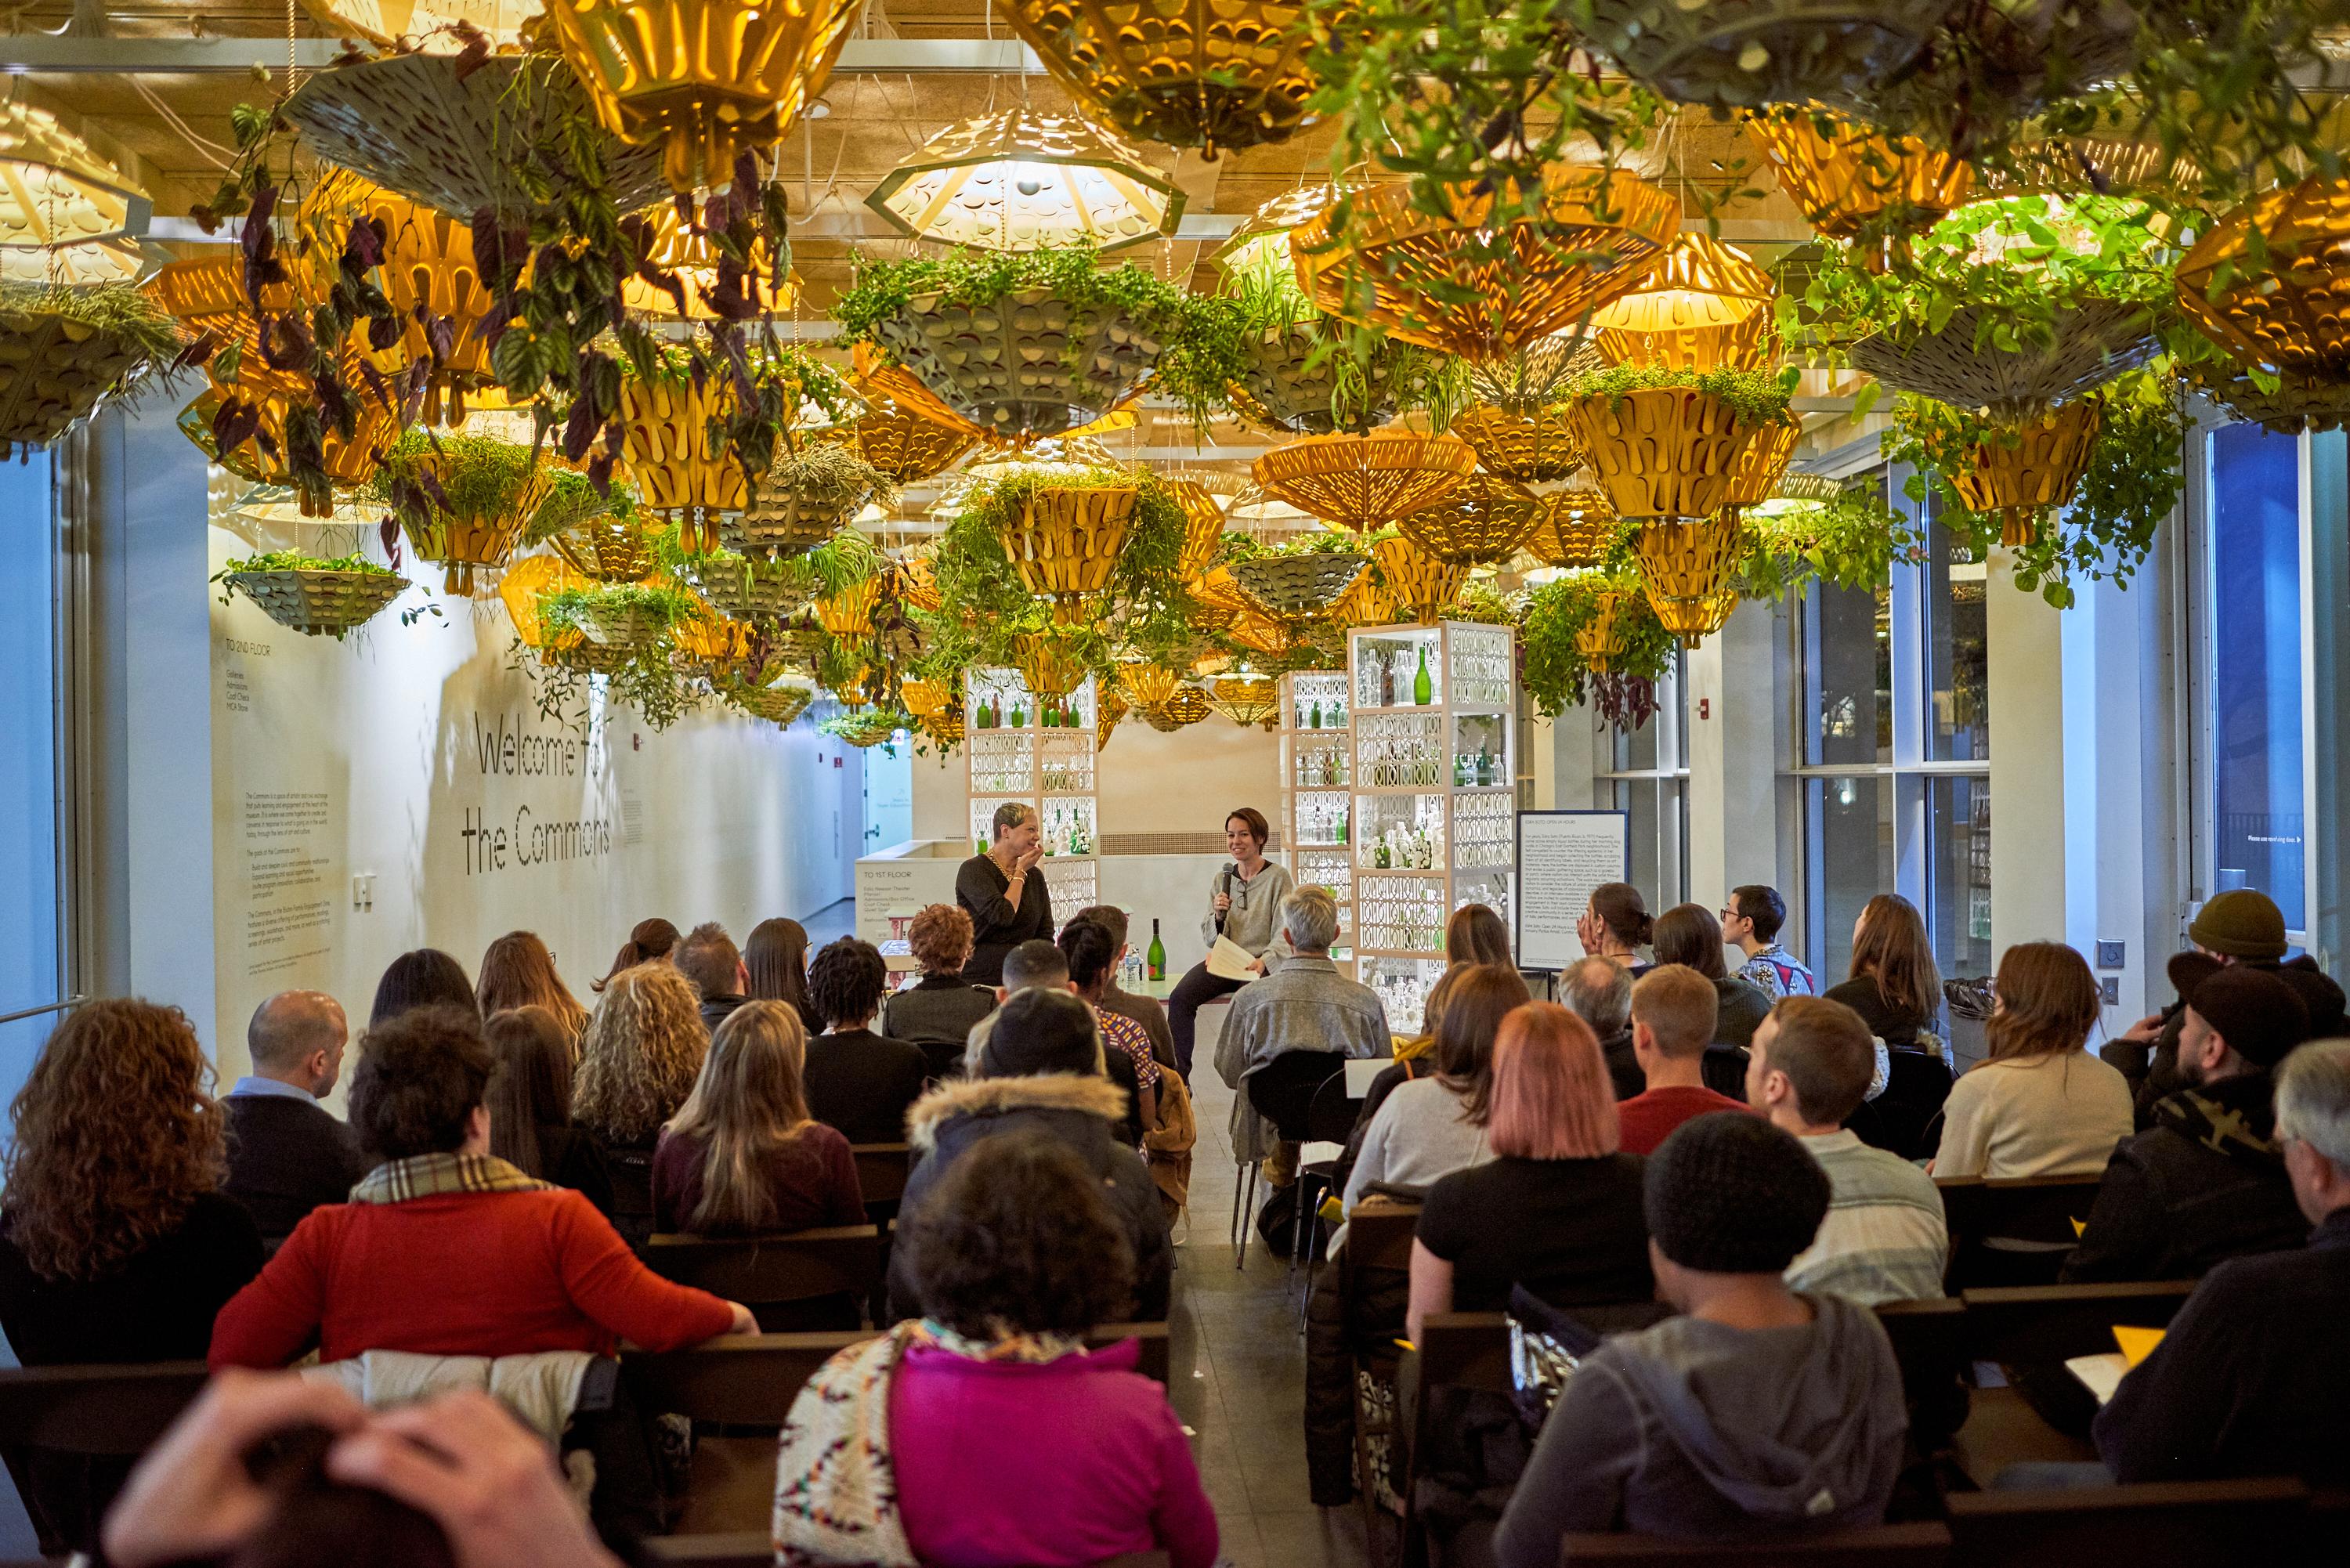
(2037, 1211)
(881, 1172)
(1925, 1544)
(2163, 1525)
(105, 1416)
(1929, 1342)
(1379, 1241)
(750, 1381)
(802, 1280)
(2028, 1332)
(753, 1550)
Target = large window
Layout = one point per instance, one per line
(1892, 772)
(2255, 832)
(1648, 778)
(32, 920)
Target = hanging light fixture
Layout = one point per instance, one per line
(412, 23)
(1706, 306)
(67, 215)
(1020, 180)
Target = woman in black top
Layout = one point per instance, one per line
(642, 1054)
(858, 1081)
(115, 1242)
(1895, 988)
(1557, 1210)
(530, 1105)
(1691, 934)
(776, 956)
(937, 1012)
(1004, 894)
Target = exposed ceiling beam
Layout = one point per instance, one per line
(197, 56)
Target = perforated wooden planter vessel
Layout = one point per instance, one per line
(1284, 390)
(680, 470)
(621, 625)
(2041, 469)
(320, 603)
(1287, 586)
(1417, 581)
(1845, 174)
(1366, 481)
(1749, 52)
(1483, 521)
(1532, 448)
(1210, 74)
(1661, 452)
(1065, 542)
(1031, 364)
(52, 372)
(606, 550)
(1762, 462)
(2291, 310)
(740, 590)
(1602, 640)
(1685, 569)
(1576, 528)
(2092, 343)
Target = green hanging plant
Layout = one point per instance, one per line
(885, 288)
(842, 562)
(570, 609)
(1559, 675)
(1852, 540)
(1756, 397)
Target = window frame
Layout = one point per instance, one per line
(1668, 775)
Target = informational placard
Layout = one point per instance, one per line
(1562, 856)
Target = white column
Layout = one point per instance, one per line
(2024, 681)
(1733, 747)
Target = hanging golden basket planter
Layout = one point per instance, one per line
(1214, 660)
(1109, 708)
(1247, 699)
(53, 371)
(1366, 481)
(1063, 542)
(1210, 74)
(524, 585)
(1031, 364)
(396, 22)
(68, 216)
(1018, 179)
(1662, 452)
(349, 463)
(606, 550)
(1455, 284)
(469, 543)
(947, 727)
(903, 444)
(2040, 470)
(1704, 306)
(679, 469)
(1846, 175)
(1047, 665)
(461, 135)
(1743, 53)
(1203, 527)
(1576, 527)
(1291, 383)
(850, 612)
(748, 590)
(1220, 601)
(1146, 685)
(1684, 568)
(2092, 343)
(1762, 462)
(1530, 448)
(1187, 707)
(703, 79)
(1292, 588)
(320, 602)
(917, 582)
(1483, 521)
(1364, 604)
(1418, 581)
(778, 705)
(924, 698)
(2299, 402)
(1528, 379)
(1603, 638)
(868, 729)
(428, 265)
(691, 257)
(2286, 311)
(621, 625)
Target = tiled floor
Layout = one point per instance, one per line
(1240, 1372)
(832, 921)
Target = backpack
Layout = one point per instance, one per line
(1167, 1147)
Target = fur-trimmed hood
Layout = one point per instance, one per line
(996, 1096)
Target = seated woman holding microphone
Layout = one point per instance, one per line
(1243, 905)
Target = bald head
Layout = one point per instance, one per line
(297, 1038)
(1599, 992)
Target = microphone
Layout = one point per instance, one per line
(1224, 885)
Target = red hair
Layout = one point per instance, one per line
(1552, 1097)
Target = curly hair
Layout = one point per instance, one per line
(940, 938)
(116, 1137)
(643, 1049)
(1018, 1238)
(419, 1081)
(847, 981)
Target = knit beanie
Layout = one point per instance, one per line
(1040, 1031)
(1729, 1193)
(2260, 1016)
(2241, 922)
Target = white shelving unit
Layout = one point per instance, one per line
(1317, 762)
(1048, 766)
(1434, 820)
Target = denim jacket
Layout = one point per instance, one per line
(1306, 1006)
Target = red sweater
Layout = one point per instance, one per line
(1644, 1121)
(476, 1274)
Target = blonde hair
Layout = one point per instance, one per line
(2047, 1003)
(644, 1044)
(749, 1098)
(518, 972)
(1681, 1005)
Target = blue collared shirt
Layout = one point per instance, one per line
(252, 1085)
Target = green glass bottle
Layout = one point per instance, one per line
(1317, 713)
(1423, 690)
(1156, 955)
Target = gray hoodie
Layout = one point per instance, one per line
(1697, 1430)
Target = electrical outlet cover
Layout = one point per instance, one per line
(2110, 988)
(2113, 955)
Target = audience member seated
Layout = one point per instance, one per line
(743, 1156)
(1884, 1238)
(446, 1250)
(530, 1105)
(1090, 951)
(644, 1049)
(517, 972)
(2206, 1180)
(1898, 991)
(116, 1241)
(858, 1081)
(1041, 1071)
(1599, 992)
(1751, 923)
(286, 1155)
(1674, 1010)
(1758, 1410)
(708, 958)
(1432, 1126)
(454, 1481)
(1144, 1010)
(1616, 925)
(1476, 935)
(1557, 1209)
(777, 961)
(937, 1012)
(650, 941)
(2253, 1377)
(425, 978)
(2039, 1105)
(2237, 925)
(1303, 1005)
(1414, 1059)
(1022, 1253)
(1688, 934)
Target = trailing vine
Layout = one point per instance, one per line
(1556, 672)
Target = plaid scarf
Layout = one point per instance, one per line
(438, 1175)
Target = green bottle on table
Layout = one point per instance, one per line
(1156, 956)
(1422, 691)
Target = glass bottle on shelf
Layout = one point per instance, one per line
(1157, 953)
(1422, 690)
(1317, 713)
